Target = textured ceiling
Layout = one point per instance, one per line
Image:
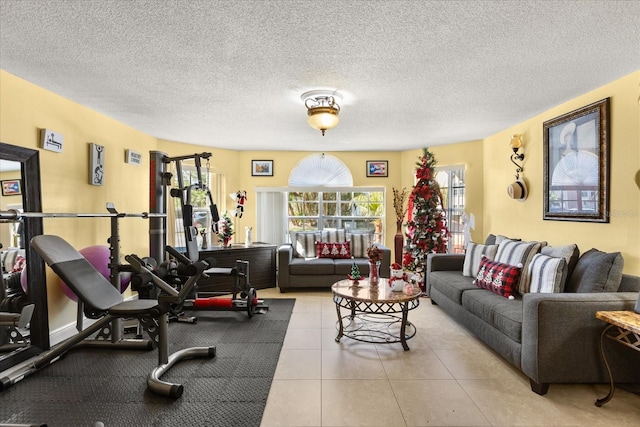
(229, 74)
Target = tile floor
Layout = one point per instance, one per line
(448, 378)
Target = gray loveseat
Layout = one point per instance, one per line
(551, 337)
(297, 269)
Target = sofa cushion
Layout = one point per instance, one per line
(334, 250)
(570, 253)
(315, 266)
(360, 242)
(502, 313)
(304, 243)
(451, 284)
(596, 271)
(497, 277)
(334, 236)
(548, 274)
(473, 255)
(519, 254)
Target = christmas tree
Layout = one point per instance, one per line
(226, 231)
(427, 230)
(355, 273)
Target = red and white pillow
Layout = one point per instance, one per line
(334, 250)
(498, 277)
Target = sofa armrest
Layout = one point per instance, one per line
(561, 336)
(442, 262)
(285, 255)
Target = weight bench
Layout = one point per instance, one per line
(102, 301)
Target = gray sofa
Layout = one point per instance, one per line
(296, 272)
(551, 337)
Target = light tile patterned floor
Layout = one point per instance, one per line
(448, 378)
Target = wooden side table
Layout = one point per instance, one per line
(628, 333)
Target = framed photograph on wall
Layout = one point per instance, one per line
(261, 167)
(11, 187)
(576, 165)
(377, 168)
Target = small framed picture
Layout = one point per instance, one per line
(261, 167)
(11, 187)
(377, 168)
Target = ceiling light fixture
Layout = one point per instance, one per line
(322, 108)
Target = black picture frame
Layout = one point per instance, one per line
(576, 165)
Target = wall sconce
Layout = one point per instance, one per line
(516, 144)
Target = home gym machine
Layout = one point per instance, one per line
(243, 295)
(101, 300)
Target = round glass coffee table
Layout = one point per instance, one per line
(377, 316)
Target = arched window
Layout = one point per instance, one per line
(320, 170)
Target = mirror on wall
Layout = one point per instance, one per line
(21, 189)
(11, 233)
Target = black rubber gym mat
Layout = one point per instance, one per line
(89, 386)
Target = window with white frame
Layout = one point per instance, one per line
(350, 208)
(452, 185)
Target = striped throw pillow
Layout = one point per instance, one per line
(359, 244)
(548, 274)
(516, 253)
(474, 254)
(304, 243)
(334, 236)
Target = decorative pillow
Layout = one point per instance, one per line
(519, 253)
(491, 240)
(19, 264)
(359, 244)
(596, 271)
(473, 255)
(334, 236)
(548, 274)
(304, 243)
(570, 253)
(334, 250)
(497, 277)
(500, 238)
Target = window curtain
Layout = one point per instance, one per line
(271, 221)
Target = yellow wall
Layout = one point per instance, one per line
(503, 215)
(284, 162)
(25, 108)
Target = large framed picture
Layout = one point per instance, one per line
(261, 167)
(576, 165)
(11, 187)
(377, 168)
